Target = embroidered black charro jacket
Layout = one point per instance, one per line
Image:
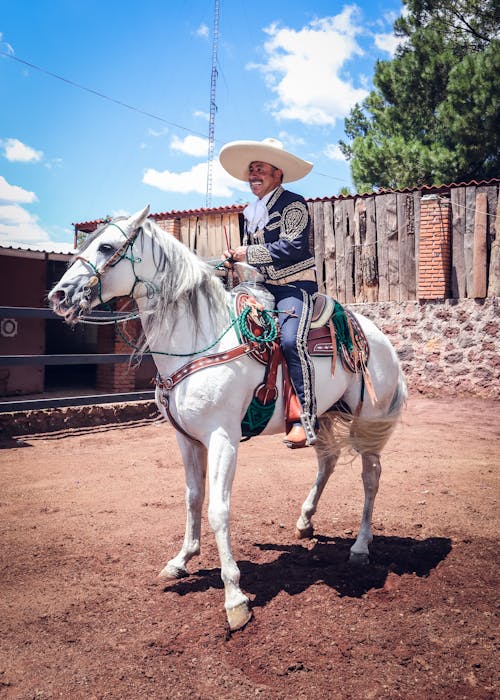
(281, 250)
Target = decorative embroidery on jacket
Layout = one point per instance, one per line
(286, 225)
(294, 220)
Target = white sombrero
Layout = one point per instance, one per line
(235, 157)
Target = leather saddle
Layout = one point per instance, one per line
(334, 331)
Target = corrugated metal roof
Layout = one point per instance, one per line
(48, 247)
(238, 208)
(403, 190)
(173, 214)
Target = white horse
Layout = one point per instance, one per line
(184, 309)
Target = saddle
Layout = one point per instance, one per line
(334, 332)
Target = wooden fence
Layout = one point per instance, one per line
(210, 235)
(367, 246)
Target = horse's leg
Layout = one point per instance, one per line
(222, 454)
(194, 456)
(371, 476)
(326, 464)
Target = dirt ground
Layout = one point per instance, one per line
(89, 516)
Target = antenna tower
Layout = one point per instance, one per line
(213, 106)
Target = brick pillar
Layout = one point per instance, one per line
(172, 226)
(119, 378)
(434, 263)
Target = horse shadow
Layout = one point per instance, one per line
(327, 563)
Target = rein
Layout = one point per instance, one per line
(269, 335)
(119, 255)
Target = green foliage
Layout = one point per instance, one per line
(433, 114)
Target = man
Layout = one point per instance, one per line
(276, 241)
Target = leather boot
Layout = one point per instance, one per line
(296, 438)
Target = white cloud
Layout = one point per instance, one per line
(203, 115)
(5, 45)
(333, 152)
(16, 151)
(203, 31)
(304, 69)
(13, 193)
(158, 132)
(17, 225)
(290, 139)
(190, 145)
(195, 180)
(387, 42)
(54, 163)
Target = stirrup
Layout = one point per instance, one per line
(307, 424)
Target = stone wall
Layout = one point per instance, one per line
(447, 348)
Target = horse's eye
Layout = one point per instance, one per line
(106, 248)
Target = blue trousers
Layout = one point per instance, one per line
(294, 301)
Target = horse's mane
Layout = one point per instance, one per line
(182, 281)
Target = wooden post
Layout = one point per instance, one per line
(319, 243)
(494, 277)
(479, 256)
(457, 281)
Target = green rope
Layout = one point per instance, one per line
(239, 321)
(270, 326)
(270, 333)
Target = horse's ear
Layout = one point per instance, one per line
(137, 219)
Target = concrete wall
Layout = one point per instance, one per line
(447, 348)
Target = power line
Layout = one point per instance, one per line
(100, 94)
(120, 103)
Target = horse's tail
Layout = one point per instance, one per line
(340, 429)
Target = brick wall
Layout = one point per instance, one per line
(435, 248)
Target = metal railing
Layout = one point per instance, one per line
(9, 405)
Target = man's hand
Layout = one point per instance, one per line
(231, 255)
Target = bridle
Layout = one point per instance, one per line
(119, 255)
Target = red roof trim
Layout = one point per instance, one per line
(238, 208)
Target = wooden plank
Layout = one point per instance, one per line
(231, 224)
(330, 254)
(213, 241)
(349, 250)
(406, 228)
(193, 233)
(369, 253)
(319, 243)
(392, 229)
(458, 276)
(184, 232)
(479, 266)
(381, 205)
(339, 235)
(327, 234)
(470, 205)
(416, 212)
(494, 272)
(359, 240)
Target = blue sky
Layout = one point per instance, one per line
(289, 69)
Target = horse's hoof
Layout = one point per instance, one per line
(305, 533)
(359, 559)
(239, 616)
(172, 572)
